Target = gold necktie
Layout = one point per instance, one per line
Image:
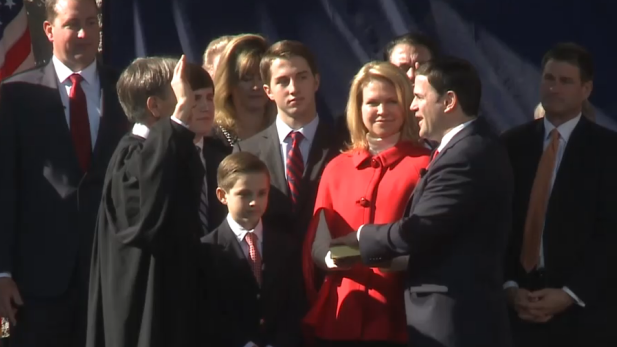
(538, 202)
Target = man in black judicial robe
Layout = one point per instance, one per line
(144, 282)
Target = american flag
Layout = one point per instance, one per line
(15, 44)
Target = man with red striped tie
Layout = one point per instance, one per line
(297, 146)
(59, 125)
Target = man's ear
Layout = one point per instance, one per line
(587, 89)
(317, 81)
(268, 92)
(221, 195)
(47, 28)
(450, 101)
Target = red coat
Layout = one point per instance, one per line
(362, 304)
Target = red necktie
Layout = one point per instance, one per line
(295, 166)
(79, 123)
(254, 256)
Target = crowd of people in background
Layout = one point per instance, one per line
(181, 204)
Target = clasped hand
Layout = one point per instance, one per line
(539, 306)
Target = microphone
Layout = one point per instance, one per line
(423, 172)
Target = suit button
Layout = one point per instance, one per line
(363, 202)
(374, 163)
(262, 322)
(258, 296)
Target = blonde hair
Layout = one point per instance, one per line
(215, 48)
(388, 73)
(241, 56)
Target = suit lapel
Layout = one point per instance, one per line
(105, 133)
(230, 244)
(477, 125)
(274, 160)
(270, 261)
(574, 158)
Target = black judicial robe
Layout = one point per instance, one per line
(144, 276)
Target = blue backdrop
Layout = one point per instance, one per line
(505, 39)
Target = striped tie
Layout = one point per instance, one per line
(295, 166)
(203, 200)
(254, 255)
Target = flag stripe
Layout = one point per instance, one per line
(12, 31)
(16, 55)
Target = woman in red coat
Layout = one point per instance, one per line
(369, 183)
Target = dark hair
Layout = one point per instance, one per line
(412, 39)
(50, 8)
(239, 163)
(197, 76)
(458, 76)
(143, 78)
(286, 49)
(574, 54)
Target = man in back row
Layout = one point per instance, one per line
(561, 264)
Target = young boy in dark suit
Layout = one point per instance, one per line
(247, 264)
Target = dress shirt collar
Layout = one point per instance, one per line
(240, 232)
(308, 130)
(565, 130)
(200, 144)
(89, 74)
(450, 134)
(141, 130)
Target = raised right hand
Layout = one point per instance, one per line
(184, 94)
(10, 299)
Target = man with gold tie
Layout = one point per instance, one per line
(559, 267)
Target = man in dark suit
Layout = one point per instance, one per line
(59, 125)
(456, 226)
(298, 145)
(561, 266)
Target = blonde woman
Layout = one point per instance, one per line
(242, 107)
(369, 183)
(213, 53)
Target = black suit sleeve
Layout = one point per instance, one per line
(144, 182)
(597, 268)
(9, 148)
(449, 197)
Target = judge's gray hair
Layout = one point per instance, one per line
(145, 77)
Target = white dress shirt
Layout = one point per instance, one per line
(240, 233)
(308, 131)
(565, 130)
(450, 134)
(91, 87)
